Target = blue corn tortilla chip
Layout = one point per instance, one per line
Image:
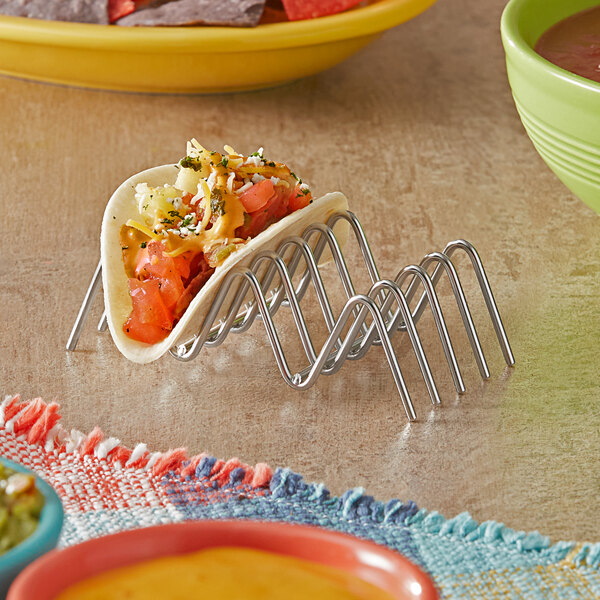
(76, 11)
(237, 13)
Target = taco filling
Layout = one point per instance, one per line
(184, 231)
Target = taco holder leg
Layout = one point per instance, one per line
(369, 319)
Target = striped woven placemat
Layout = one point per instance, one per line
(106, 487)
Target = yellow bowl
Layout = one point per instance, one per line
(191, 59)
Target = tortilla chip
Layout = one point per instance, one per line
(239, 13)
(311, 9)
(119, 8)
(76, 11)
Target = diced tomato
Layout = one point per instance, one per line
(183, 264)
(159, 264)
(153, 263)
(196, 284)
(171, 289)
(148, 305)
(274, 210)
(163, 290)
(257, 196)
(298, 200)
(141, 261)
(143, 332)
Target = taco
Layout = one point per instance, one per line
(170, 234)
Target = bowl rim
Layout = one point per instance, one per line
(358, 22)
(274, 532)
(49, 525)
(512, 38)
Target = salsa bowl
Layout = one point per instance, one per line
(559, 110)
(386, 569)
(192, 59)
(43, 539)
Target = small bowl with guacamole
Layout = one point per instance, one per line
(31, 517)
(553, 63)
(228, 560)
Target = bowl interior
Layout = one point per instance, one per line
(42, 540)
(388, 570)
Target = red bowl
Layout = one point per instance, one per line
(48, 576)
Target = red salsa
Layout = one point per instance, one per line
(574, 44)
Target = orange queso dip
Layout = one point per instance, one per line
(227, 574)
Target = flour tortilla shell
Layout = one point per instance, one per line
(123, 206)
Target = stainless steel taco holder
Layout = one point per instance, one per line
(366, 320)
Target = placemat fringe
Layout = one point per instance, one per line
(38, 423)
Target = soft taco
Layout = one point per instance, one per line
(171, 233)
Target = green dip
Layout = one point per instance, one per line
(20, 506)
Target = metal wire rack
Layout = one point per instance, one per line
(369, 319)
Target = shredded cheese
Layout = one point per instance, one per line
(230, 182)
(215, 183)
(143, 229)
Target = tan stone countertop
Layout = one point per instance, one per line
(419, 130)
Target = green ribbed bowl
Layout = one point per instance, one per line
(560, 110)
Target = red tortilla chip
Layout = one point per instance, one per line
(119, 8)
(311, 9)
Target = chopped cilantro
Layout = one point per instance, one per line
(167, 221)
(271, 164)
(175, 214)
(224, 162)
(143, 244)
(305, 191)
(191, 163)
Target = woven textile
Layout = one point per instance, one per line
(106, 487)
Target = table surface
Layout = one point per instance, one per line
(427, 110)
